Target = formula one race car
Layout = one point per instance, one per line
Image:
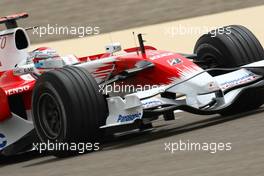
(72, 100)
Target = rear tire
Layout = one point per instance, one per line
(68, 108)
(227, 47)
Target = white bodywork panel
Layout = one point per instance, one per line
(13, 129)
(235, 78)
(255, 64)
(123, 111)
(9, 54)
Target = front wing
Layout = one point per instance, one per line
(224, 93)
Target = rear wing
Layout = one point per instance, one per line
(10, 20)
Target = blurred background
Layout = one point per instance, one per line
(113, 15)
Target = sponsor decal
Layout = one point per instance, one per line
(17, 90)
(158, 56)
(3, 141)
(129, 117)
(21, 71)
(153, 103)
(174, 61)
(242, 80)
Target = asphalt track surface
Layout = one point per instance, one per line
(144, 153)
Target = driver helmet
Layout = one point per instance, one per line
(44, 53)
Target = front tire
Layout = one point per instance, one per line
(68, 108)
(227, 47)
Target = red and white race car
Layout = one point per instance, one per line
(48, 97)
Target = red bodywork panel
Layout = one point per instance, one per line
(5, 111)
(164, 70)
(11, 84)
(13, 17)
(168, 67)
